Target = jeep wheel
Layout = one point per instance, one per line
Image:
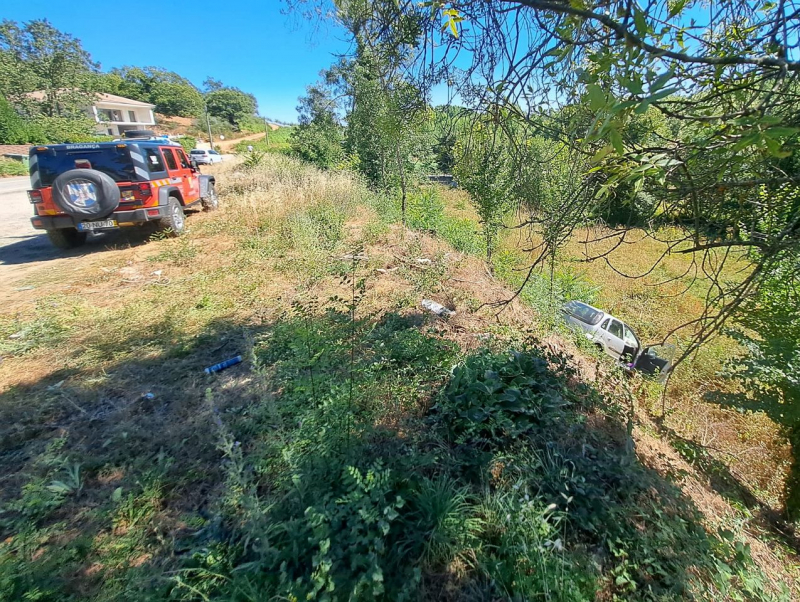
(66, 238)
(211, 202)
(174, 220)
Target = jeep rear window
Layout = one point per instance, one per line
(112, 161)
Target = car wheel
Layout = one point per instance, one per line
(175, 219)
(211, 202)
(66, 238)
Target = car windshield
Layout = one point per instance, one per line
(583, 312)
(113, 161)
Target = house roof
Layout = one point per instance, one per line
(100, 98)
(113, 98)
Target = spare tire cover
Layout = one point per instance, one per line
(85, 193)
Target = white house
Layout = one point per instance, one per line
(115, 114)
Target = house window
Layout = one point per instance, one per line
(132, 116)
(109, 115)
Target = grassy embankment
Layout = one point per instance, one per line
(278, 142)
(743, 450)
(363, 450)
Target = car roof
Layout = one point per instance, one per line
(142, 142)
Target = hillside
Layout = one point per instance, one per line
(364, 449)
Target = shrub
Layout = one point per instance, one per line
(319, 143)
(188, 143)
(10, 167)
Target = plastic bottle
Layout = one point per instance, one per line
(222, 365)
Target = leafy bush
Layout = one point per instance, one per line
(14, 129)
(491, 401)
(10, 167)
(319, 143)
(188, 143)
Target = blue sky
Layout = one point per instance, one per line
(248, 44)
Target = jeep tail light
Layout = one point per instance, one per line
(83, 164)
(35, 196)
(145, 189)
(152, 212)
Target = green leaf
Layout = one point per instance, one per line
(676, 6)
(661, 81)
(634, 86)
(775, 148)
(600, 155)
(596, 97)
(641, 23)
(616, 141)
(782, 131)
(116, 495)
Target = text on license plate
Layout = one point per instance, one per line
(98, 225)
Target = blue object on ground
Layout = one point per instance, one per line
(226, 364)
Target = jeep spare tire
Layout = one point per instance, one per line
(85, 193)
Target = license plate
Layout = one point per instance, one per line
(98, 225)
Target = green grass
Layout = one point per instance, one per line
(278, 142)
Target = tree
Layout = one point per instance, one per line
(319, 135)
(484, 168)
(769, 370)
(733, 96)
(35, 56)
(13, 129)
(171, 93)
(231, 104)
(210, 84)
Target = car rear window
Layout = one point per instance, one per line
(583, 312)
(197, 152)
(111, 160)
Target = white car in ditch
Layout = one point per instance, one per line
(617, 339)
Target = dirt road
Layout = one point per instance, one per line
(19, 242)
(227, 145)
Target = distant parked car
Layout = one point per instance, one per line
(205, 157)
(617, 339)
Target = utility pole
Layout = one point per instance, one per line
(208, 124)
(266, 130)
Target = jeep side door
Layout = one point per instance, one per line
(189, 175)
(179, 175)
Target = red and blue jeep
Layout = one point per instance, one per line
(83, 188)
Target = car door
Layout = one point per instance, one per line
(178, 174)
(189, 175)
(612, 332)
(631, 344)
